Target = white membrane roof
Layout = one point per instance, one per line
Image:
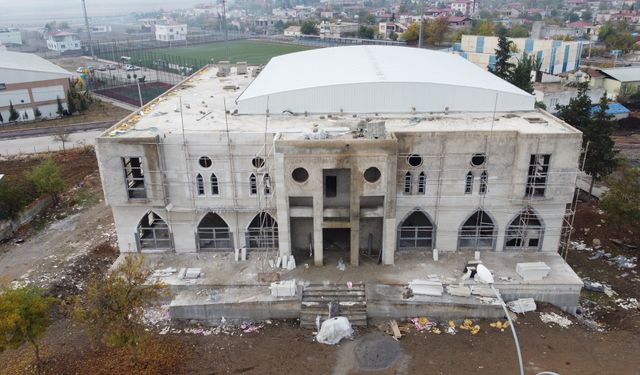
(388, 79)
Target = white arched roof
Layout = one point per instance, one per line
(378, 79)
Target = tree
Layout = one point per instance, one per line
(13, 114)
(309, 27)
(47, 179)
(502, 67)
(484, 27)
(366, 32)
(600, 159)
(393, 36)
(412, 32)
(112, 308)
(587, 16)
(62, 135)
(436, 30)
(24, 317)
(520, 76)
(578, 112)
(60, 110)
(622, 200)
(36, 113)
(518, 31)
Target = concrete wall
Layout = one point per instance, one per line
(171, 167)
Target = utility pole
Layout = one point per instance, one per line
(86, 22)
(226, 33)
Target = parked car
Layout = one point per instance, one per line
(102, 68)
(130, 68)
(111, 67)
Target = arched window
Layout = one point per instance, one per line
(262, 232)
(266, 180)
(200, 184)
(483, 183)
(253, 184)
(407, 183)
(213, 233)
(422, 183)
(215, 189)
(415, 232)
(477, 232)
(153, 233)
(525, 231)
(468, 183)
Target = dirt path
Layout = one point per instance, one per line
(42, 256)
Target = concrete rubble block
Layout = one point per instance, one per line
(522, 305)
(482, 291)
(459, 290)
(533, 271)
(285, 288)
(426, 287)
(192, 273)
(285, 259)
(291, 264)
(243, 254)
(241, 67)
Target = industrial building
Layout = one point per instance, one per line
(556, 56)
(364, 153)
(29, 82)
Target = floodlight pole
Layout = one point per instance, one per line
(513, 328)
(226, 33)
(86, 22)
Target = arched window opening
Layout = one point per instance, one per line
(266, 180)
(253, 184)
(525, 232)
(483, 183)
(477, 232)
(422, 183)
(407, 183)
(213, 233)
(415, 232)
(200, 184)
(468, 183)
(215, 189)
(153, 233)
(262, 232)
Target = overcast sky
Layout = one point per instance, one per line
(19, 11)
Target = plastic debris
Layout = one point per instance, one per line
(500, 325)
(341, 266)
(555, 318)
(624, 262)
(333, 330)
(422, 323)
(249, 328)
(628, 303)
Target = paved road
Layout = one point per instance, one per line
(33, 145)
(52, 130)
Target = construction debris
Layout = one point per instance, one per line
(422, 323)
(459, 290)
(500, 325)
(396, 331)
(482, 291)
(334, 330)
(533, 270)
(467, 325)
(286, 288)
(628, 303)
(426, 287)
(555, 318)
(522, 305)
(192, 273)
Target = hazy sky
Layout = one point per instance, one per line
(21, 11)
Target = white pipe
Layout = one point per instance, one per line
(513, 328)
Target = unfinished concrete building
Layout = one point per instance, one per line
(362, 153)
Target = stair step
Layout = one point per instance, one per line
(334, 293)
(333, 287)
(320, 299)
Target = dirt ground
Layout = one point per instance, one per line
(78, 239)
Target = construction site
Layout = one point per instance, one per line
(345, 175)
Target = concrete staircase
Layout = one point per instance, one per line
(351, 303)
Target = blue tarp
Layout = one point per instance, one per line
(614, 109)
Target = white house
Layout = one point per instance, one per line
(171, 32)
(466, 7)
(292, 31)
(10, 36)
(63, 41)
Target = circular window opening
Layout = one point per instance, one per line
(258, 162)
(205, 162)
(478, 160)
(414, 160)
(300, 175)
(372, 174)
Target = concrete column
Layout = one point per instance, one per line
(318, 253)
(354, 217)
(282, 206)
(389, 241)
(389, 233)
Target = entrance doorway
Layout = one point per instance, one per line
(336, 244)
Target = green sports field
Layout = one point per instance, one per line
(253, 52)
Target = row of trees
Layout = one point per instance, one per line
(111, 310)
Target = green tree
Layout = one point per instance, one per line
(436, 30)
(13, 114)
(112, 307)
(587, 16)
(366, 32)
(412, 32)
(60, 109)
(503, 66)
(15, 194)
(518, 31)
(484, 27)
(622, 200)
(578, 112)
(24, 318)
(600, 158)
(309, 27)
(520, 76)
(47, 179)
(393, 36)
